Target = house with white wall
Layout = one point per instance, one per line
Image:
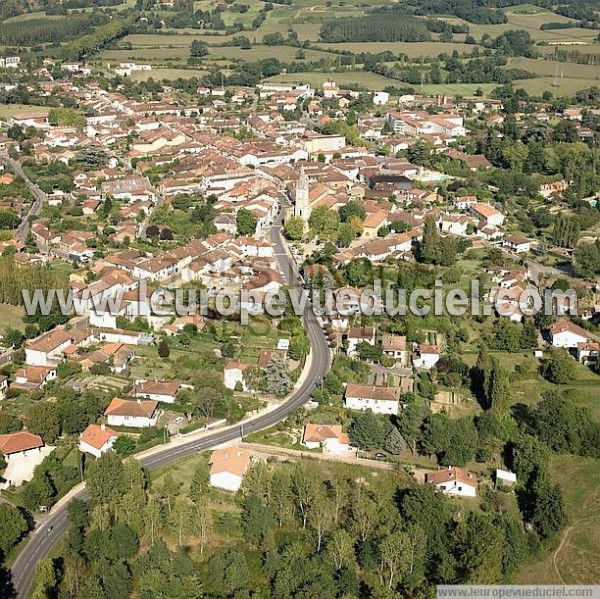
(454, 481)
(327, 436)
(21, 443)
(564, 333)
(358, 335)
(163, 391)
(137, 413)
(97, 439)
(377, 398)
(46, 350)
(228, 467)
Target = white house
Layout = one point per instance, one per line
(428, 356)
(33, 377)
(328, 436)
(358, 335)
(228, 467)
(47, 349)
(164, 391)
(517, 244)
(21, 443)
(564, 333)
(97, 439)
(3, 386)
(136, 414)
(488, 214)
(380, 98)
(454, 481)
(234, 374)
(377, 398)
(588, 352)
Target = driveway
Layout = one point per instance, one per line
(20, 468)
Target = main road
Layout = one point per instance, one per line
(39, 197)
(44, 538)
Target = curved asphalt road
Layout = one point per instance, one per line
(47, 536)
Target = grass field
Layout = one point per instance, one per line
(32, 15)
(167, 74)
(7, 110)
(582, 48)
(575, 561)
(456, 89)
(256, 53)
(567, 86)
(11, 316)
(412, 50)
(547, 68)
(370, 81)
(154, 55)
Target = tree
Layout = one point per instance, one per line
(352, 209)
(273, 39)
(321, 517)
(199, 49)
(429, 250)
(305, 488)
(12, 526)
(46, 578)
(368, 430)
(294, 228)
(9, 423)
(548, 511)
(43, 419)
(105, 479)
(496, 392)
(324, 223)
(394, 556)
(346, 235)
(164, 351)
(124, 445)
(12, 337)
(340, 549)
(558, 367)
(277, 378)
(409, 423)
(481, 547)
(394, 443)
(246, 222)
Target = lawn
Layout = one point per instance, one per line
(11, 316)
(576, 561)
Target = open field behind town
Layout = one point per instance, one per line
(11, 317)
(412, 50)
(575, 561)
(370, 81)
